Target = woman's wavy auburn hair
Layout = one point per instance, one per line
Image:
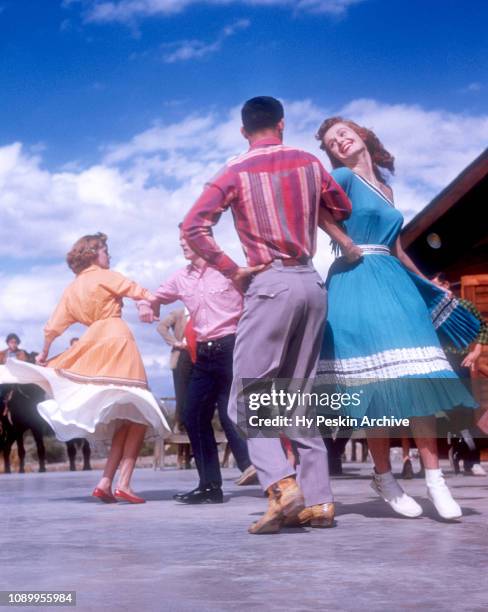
(84, 252)
(380, 157)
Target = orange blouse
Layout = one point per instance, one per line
(95, 294)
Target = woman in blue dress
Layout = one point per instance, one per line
(383, 322)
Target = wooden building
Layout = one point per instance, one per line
(450, 235)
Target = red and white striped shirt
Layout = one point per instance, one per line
(274, 192)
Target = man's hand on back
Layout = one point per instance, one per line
(243, 276)
(351, 252)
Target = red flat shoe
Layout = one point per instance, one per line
(132, 499)
(106, 498)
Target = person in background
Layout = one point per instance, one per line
(407, 467)
(13, 351)
(83, 443)
(464, 446)
(172, 329)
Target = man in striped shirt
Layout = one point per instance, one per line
(278, 196)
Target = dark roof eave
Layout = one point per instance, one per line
(463, 183)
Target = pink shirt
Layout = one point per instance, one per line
(215, 305)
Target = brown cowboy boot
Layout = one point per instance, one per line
(320, 515)
(284, 499)
(290, 496)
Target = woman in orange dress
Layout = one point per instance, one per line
(98, 387)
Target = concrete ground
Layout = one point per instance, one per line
(164, 556)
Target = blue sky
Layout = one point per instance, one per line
(73, 84)
(113, 113)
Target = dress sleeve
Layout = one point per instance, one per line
(121, 286)
(483, 334)
(343, 176)
(61, 318)
(168, 292)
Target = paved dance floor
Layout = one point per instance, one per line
(164, 556)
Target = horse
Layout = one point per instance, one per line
(85, 450)
(18, 414)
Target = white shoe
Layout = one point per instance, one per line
(478, 470)
(439, 494)
(388, 489)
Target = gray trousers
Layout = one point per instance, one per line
(279, 336)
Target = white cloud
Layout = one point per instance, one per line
(196, 49)
(160, 137)
(127, 11)
(140, 190)
(430, 146)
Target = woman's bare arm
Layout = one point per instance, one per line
(41, 359)
(330, 226)
(405, 259)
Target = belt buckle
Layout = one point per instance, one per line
(208, 347)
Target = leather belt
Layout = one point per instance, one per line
(210, 347)
(295, 261)
(287, 263)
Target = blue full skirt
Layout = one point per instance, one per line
(383, 341)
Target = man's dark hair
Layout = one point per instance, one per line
(261, 113)
(12, 337)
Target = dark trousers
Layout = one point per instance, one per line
(209, 386)
(335, 448)
(181, 380)
(461, 421)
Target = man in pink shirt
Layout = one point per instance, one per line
(215, 306)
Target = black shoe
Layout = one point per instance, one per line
(210, 494)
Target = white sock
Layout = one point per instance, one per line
(386, 476)
(433, 477)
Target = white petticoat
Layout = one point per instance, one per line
(85, 410)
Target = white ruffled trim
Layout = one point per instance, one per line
(89, 410)
(443, 310)
(393, 363)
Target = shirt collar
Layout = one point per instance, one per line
(266, 142)
(91, 268)
(196, 270)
